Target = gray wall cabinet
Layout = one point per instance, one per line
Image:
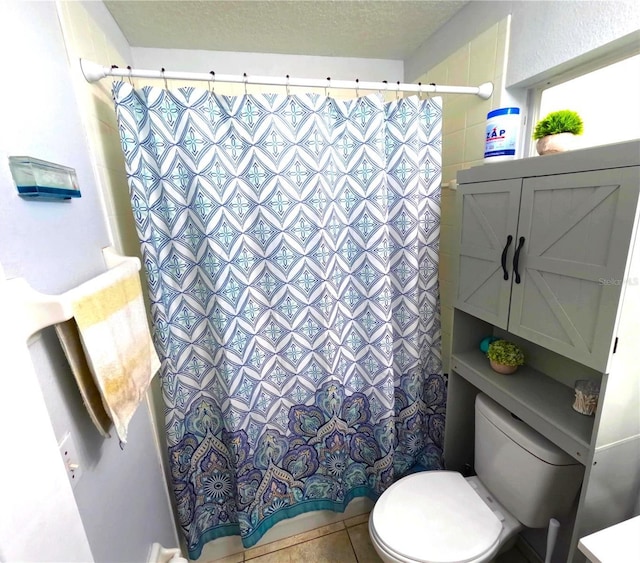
(548, 257)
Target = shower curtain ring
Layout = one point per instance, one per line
(130, 72)
(386, 89)
(326, 88)
(357, 88)
(398, 91)
(420, 91)
(427, 93)
(212, 82)
(287, 87)
(166, 86)
(244, 75)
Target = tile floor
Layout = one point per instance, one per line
(342, 542)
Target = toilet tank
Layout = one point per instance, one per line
(533, 478)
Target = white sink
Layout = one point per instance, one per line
(613, 544)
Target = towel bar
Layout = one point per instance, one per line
(38, 310)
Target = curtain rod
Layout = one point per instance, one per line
(93, 72)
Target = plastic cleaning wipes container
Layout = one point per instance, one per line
(503, 126)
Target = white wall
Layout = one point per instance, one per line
(547, 37)
(119, 506)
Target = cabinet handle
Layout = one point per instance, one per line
(503, 260)
(516, 259)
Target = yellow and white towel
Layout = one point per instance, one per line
(69, 337)
(110, 315)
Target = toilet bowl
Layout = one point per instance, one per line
(445, 518)
(440, 517)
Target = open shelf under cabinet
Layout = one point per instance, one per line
(540, 401)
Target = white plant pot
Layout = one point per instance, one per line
(556, 143)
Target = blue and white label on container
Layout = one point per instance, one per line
(502, 133)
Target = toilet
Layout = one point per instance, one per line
(441, 517)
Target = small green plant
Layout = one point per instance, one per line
(562, 121)
(505, 353)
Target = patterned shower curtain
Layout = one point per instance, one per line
(291, 250)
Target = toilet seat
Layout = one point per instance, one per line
(434, 517)
(393, 557)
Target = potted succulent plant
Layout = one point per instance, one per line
(504, 356)
(557, 131)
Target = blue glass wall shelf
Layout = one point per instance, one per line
(39, 179)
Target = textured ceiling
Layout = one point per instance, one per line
(356, 28)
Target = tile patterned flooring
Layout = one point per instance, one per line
(342, 542)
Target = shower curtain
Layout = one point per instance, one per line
(291, 249)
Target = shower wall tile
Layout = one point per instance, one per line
(447, 237)
(480, 60)
(104, 179)
(77, 20)
(482, 55)
(477, 113)
(117, 179)
(451, 171)
(447, 325)
(446, 351)
(455, 116)
(108, 142)
(447, 268)
(474, 142)
(446, 293)
(458, 66)
(437, 75)
(504, 30)
(102, 109)
(446, 271)
(483, 59)
(453, 148)
(86, 39)
(447, 206)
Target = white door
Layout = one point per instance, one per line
(488, 215)
(576, 230)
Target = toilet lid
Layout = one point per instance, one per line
(435, 517)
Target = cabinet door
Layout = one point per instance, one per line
(488, 215)
(577, 230)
